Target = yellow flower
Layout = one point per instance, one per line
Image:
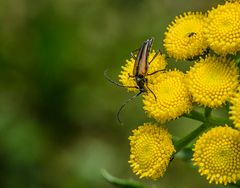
(217, 155)
(184, 38)
(172, 97)
(222, 28)
(235, 109)
(212, 81)
(126, 75)
(151, 151)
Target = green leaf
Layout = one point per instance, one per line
(120, 182)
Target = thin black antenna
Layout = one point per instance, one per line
(129, 100)
(110, 80)
(113, 82)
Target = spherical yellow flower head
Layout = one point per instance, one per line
(151, 151)
(235, 109)
(222, 28)
(184, 38)
(126, 75)
(212, 81)
(172, 97)
(217, 154)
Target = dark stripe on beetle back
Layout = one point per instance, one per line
(141, 63)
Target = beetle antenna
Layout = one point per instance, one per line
(110, 80)
(113, 82)
(123, 105)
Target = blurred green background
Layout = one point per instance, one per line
(58, 125)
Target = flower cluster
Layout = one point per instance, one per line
(211, 41)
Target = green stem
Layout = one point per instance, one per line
(207, 113)
(185, 141)
(207, 117)
(120, 182)
(208, 121)
(195, 115)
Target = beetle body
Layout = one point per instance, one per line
(141, 64)
(140, 71)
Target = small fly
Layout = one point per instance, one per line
(191, 34)
(140, 71)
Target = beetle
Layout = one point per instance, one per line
(140, 71)
(141, 65)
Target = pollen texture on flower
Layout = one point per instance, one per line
(172, 97)
(235, 109)
(212, 81)
(217, 155)
(184, 37)
(126, 76)
(151, 151)
(222, 28)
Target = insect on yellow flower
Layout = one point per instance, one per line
(139, 72)
(159, 63)
(217, 155)
(173, 98)
(212, 81)
(151, 151)
(184, 37)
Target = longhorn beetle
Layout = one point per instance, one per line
(140, 71)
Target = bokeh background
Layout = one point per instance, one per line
(58, 125)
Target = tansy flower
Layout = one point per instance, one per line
(222, 28)
(151, 151)
(217, 155)
(235, 109)
(126, 75)
(212, 81)
(184, 37)
(172, 97)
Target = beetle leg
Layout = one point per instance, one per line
(155, 55)
(155, 72)
(131, 76)
(150, 90)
